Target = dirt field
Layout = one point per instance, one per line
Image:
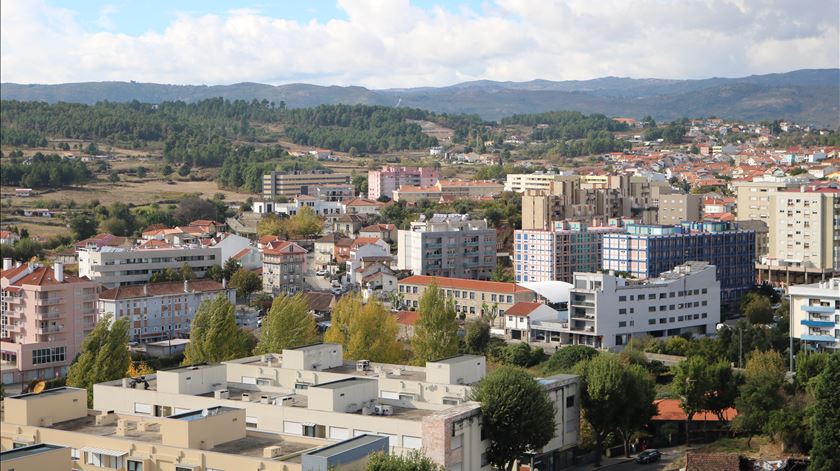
(443, 135)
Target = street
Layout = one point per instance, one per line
(616, 464)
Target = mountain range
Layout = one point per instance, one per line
(810, 96)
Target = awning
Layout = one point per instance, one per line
(103, 451)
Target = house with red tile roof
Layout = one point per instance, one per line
(8, 237)
(406, 320)
(283, 267)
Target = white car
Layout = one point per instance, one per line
(321, 272)
(336, 290)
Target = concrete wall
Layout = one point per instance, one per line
(206, 432)
(316, 358)
(52, 406)
(201, 380)
(56, 458)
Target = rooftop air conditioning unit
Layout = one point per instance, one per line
(221, 394)
(265, 399)
(363, 365)
(272, 451)
(246, 397)
(387, 410)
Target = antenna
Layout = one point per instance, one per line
(39, 387)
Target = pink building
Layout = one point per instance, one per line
(44, 315)
(385, 181)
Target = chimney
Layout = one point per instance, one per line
(58, 270)
(186, 286)
(7, 263)
(145, 290)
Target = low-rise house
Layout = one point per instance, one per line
(386, 232)
(8, 237)
(320, 304)
(406, 321)
(325, 250)
(534, 322)
(376, 278)
(346, 224)
(362, 207)
(248, 258)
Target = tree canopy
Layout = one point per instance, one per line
(436, 331)
(104, 356)
(366, 331)
(287, 324)
(214, 335)
(826, 419)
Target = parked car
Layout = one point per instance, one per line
(321, 272)
(648, 456)
(336, 290)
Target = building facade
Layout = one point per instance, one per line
(449, 245)
(647, 250)
(160, 311)
(606, 311)
(815, 314)
(276, 184)
(383, 182)
(45, 315)
(521, 182)
(117, 266)
(675, 208)
(284, 267)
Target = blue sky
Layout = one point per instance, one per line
(406, 43)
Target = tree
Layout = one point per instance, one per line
(186, 272)
(191, 208)
(141, 172)
(104, 356)
(521, 354)
(704, 386)
(760, 394)
(826, 420)
(501, 273)
(288, 324)
(517, 414)
(214, 273)
(270, 224)
(231, 266)
(166, 170)
(757, 309)
(138, 368)
(436, 332)
(605, 378)
(214, 336)
(114, 177)
(83, 226)
(305, 224)
(366, 331)
(245, 282)
(808, 368)
(477, 336)
(411, 461)
(566, 358)
(638, 411)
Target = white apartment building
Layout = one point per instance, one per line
(321, 207)
(815, 313)
(521, 182)
(159, 311)
(450, 245)
(605, 310)
(312, 392)
(116, 266)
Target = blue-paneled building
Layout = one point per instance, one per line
(645, 251)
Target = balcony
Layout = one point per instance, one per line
(817, 323)
(818, 309)
(51, 301)
(49, 329)
(819, 338)
(49, 315)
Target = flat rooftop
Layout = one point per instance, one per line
(341, 447)
(342, 383)
(48, 392)
(455, 359)
(30, 450)
(201, 413)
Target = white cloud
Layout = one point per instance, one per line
(104, 21)
(385, 43)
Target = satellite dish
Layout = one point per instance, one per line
(39, 387)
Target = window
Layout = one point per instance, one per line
(75, 453)
(622, 311)
(570, 401)
(457, 442)
(622, 324)
(133, 466)
(651, 308)
(651, 321)
(622, 298)
(48, 355)
(652, 296)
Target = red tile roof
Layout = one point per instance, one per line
(522, 309)
(168, 288)
(669, 409)
(407, 317)
(283, 247)
(40, 276)
(463, 283)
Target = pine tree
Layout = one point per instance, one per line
(214, 335)
(104, 356)
(288, 324)
(436, 332)
(826, 419)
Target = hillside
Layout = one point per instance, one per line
(807, 96)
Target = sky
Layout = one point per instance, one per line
(410, 43)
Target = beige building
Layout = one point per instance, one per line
(756, 201)
(804, 232)
(522, 182)
(675, 208)
(310, 392)
(55, 430)
(276, 184)
(116, 266)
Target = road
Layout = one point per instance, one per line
(617, 464)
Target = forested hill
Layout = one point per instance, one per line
(805, 96)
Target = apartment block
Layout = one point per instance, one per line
(55, 430)
(449, 245)
(160, 311)
(277, 184)
(815, 314)
(117, 266)
(472, 297)
(311, 393)
(45, 315)
(522, 182)
(675, 208)
(449, 190)
(543, 255)
(804, 231)
(606, 311)
(284, 267)
(385, 181)
(647, 250)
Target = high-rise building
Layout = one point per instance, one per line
(606, 310)
(804, 229)
(543, 255)
(383, 182)
(647, 250)
(45, 315)
(289, 185)
(450, 245)
(815, 313)
(675, 208)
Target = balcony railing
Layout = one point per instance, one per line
(51, 301)
(817, 323)
(818, 309)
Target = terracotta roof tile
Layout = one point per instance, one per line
(463, 283)
(522, 309)
(669, 409)
(160, 289)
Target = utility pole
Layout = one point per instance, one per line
(740, 347)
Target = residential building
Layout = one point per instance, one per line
(528, 321)
(606, 311)
(116, 266)
(276, 184)
(449, 190)
(675, 208)
(647, 250)
(756, 201)
(804, 236)
(542, 255)
(310, 392)
(325, 250)
(158, 311)
(362, 207)
(346, 224)
(376, 278)
(321, 207)
(383, 182)
(54, 430)
(45, 315)
(8, 237)
(815, 314)
(364, 252)
(522, 182)
(450, 245)
(284, 267)
(472, 297)
(332, 192)
(386, 232)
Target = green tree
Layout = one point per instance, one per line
(214, 335)
(411, 461)
(288, 324)
(270, 224)
(114, 177)
(517, 414)
(104, 356)
(477, 336)
(501, 273)
(566, 358)
(808, 368)
(83, 226)
(704, 386)
(214, 273)
(757, 309)
(436, 332)
(186, 272)
(245, 282)
(826, 419)
(366, 331)
(760, 394)
(166, 170)
(230, 267)
(641, 408)
(141, 172)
